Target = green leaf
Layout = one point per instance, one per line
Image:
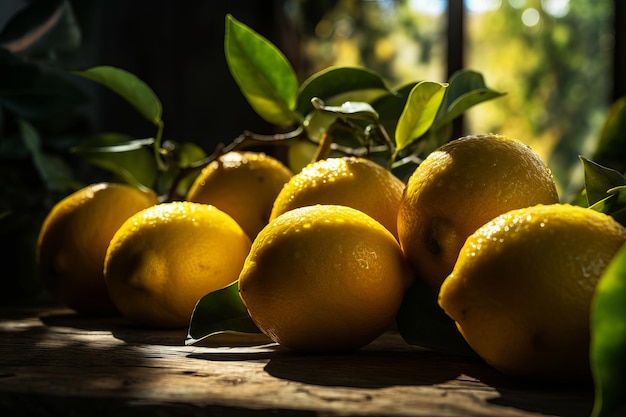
(221, 311)
(262, 72)
(354, 110)
(579, 199)
(331, 83)
(41, 28)
(614, 205)
(186, 153)
(129, 87)
(599, 179)
(52, 170)
(466, 89)
(611, 148)
(391, 105)
(316, 123)
(608, 339)
(422, 322)
(419, 112)
(128, 158)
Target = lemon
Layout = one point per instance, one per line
(350, 181)
(460, 187)
(521, 290)
(165, 258)
(242, 184)
(324, 278)
(73, 240)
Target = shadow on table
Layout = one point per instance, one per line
(558, 398)
(364, 369)
(555, 398)
(373, 369)
(360, 369)
(377, 366)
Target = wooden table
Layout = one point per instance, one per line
(55, 363)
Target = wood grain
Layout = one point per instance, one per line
(53, 362)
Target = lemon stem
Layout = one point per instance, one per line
(159, 152)
(245, 140)
(324, 148)
(393, 151)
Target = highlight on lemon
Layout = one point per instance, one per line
(73, 240)
(521, 290)
(458, 188)
(242, 184)
(324, 278)
(350, 181)
(163, 259)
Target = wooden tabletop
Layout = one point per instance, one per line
(54, 362)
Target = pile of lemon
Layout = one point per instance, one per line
(324, 257)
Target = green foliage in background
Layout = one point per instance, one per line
(557, 73)
(39, 121)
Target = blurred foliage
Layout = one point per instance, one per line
(557, 72)
(608, 341)
(390, 37)
(39, 121)
(558, 76)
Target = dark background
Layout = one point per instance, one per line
(177, 48)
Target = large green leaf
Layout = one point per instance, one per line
(390, 106)
(41, 28)
(129, 87)
(423, 323)
(608, 339)
(466, 89)
(128, 158)
(419, 112)
(337, 81)
(221, 311)
(262, 72)
(599, 179)
(611, 148)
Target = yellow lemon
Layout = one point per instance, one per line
(242, 184)
(74, 238)
(164, 259)
(349, 181)
(460, 187)
(521, 290)
(324, 278)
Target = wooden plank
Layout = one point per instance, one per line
(57, 363)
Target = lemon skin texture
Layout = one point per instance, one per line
(324, 278)
(73, 240)
(521, 290)
(458, 188)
